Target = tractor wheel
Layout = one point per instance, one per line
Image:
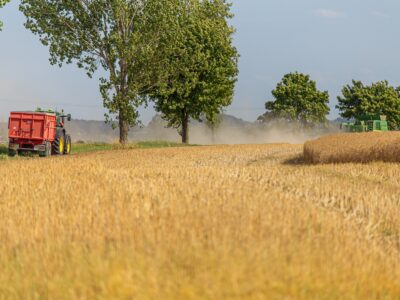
(12, 152)
(59, 143)
(68, 145)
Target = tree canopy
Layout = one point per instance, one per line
(201, 63)
(121, 36)
(2, 3)
(296, 98)
(378, 98)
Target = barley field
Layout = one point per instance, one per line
(218, 222)
(354, 147)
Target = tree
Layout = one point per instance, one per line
(296, 98)
(201, 63)
(378, 98)
(2, 3)
(121, 36)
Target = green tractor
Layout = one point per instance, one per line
(366, 123)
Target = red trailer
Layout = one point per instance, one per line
(41, 132)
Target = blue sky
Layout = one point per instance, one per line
(333, 41)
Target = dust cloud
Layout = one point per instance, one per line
(235, 131)
(226, 134)
(231, 130)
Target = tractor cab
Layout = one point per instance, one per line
(61, 117)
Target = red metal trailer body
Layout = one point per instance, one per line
(31, 130)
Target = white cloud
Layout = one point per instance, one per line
(329, 13)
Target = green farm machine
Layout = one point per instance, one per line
(367, 123)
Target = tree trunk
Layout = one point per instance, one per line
(123, 129)
(185, 127)
(123, 120)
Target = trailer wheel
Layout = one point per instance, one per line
(12, 152)
(59, 143)
(47, 151)
(68, 145)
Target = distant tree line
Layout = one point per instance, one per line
(296, 99)
(176, 54)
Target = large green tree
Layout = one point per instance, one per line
(201, 64)
(121, 36)
(378, 98)
(296, 98)
(2, 3)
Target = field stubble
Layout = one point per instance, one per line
(198, 223)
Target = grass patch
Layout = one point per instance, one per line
(84, 148)
(3, 149)
(94, 147)
(160, 144)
